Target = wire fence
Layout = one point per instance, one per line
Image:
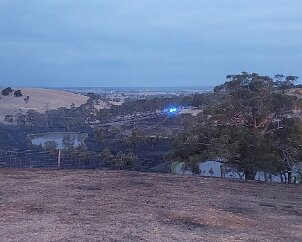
(66, 160)
(26, 158)
(47, 159)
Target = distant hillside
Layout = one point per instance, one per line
(40, 100)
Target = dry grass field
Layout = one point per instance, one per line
(92, 205)
(40, 100)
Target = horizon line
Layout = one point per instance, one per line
(62, 87)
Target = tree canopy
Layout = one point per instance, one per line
(251, 126)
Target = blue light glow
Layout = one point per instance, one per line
(172, 110)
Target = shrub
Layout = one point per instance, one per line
(18, 93)
(9, 118)
(6, 91)
(26, 99)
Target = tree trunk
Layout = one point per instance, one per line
(281, 177)
(249, 174)
(289, 174)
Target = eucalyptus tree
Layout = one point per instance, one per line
(246, 127)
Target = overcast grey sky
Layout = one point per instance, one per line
(146, 42)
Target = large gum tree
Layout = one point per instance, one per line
(251, 126)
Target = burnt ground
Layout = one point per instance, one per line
(92, 205)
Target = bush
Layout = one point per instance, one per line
(18, 93)
(26, 99)
(9, 118)
(6, 91)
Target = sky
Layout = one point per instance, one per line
(112, 43)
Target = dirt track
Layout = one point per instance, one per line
(81, 205)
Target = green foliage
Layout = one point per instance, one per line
(250, 126)
(136, 137)
(204, 99)
(68, 144)
(51, 146)
(106, 155)
(120, 160)
(137, 106)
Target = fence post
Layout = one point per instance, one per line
(59, 159)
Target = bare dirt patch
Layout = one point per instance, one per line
(68, 205)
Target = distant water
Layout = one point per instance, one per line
(75, 139)
(138, 89)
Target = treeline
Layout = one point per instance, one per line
(78, 117)
(141, 106)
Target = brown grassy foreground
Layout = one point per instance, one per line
(91, 205)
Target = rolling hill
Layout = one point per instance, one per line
(40, 100)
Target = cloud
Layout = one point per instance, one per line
(146, 42)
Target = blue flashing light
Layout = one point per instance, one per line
(172, 110)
